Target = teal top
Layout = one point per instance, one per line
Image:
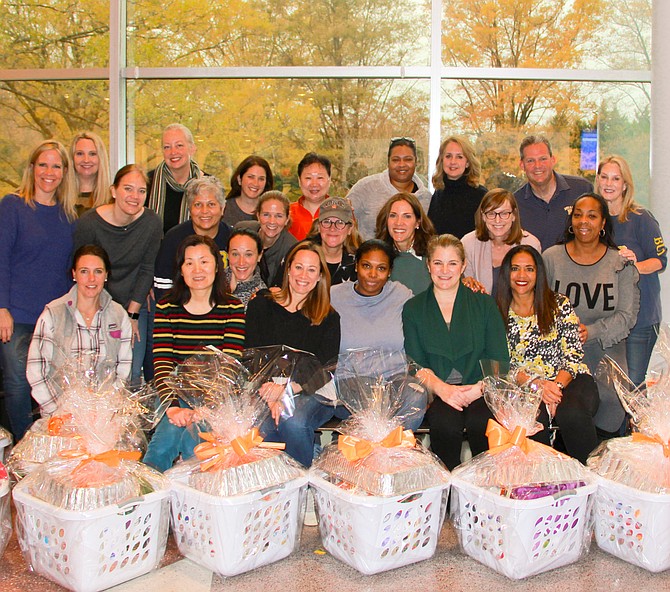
(476, 332)
(410, 270)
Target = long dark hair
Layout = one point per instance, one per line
(180, 293)
(243, 167)
(422, 234)
(607, 238)
(544, 300)
(316, 306)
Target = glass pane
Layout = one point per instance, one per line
(604, 34)
(278, 33)
(54, 34)
(33, 111)
(618, 115)
(350, 121)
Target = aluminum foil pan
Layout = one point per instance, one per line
(257, 470)
(105, 485)
(513, 468)
(385, 472)
(640, 465)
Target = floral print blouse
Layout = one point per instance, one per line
(546, 355)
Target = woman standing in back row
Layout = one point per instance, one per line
(457, 189)
(131, 234)
(638, 236)
(36, 225)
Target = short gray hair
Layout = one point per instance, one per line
(183, 129)
(530, 140)
(207, 184)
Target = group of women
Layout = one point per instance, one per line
(450, 304)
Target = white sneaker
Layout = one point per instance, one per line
(310, 511)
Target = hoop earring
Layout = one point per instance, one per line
(602, 232)
(570, 230)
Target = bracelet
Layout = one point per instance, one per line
(134, 315)
(559, 384)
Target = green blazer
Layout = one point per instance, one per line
(476, 333)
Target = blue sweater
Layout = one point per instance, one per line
(35, 257)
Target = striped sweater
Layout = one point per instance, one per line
(179, 334)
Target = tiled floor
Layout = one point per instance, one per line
(311, 569)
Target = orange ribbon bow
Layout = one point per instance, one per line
(656, 439)
(500, 438)
(212, 451)
(354, 448)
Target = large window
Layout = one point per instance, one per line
(283, 77)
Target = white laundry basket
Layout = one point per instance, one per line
(374, 534)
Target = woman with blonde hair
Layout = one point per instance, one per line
(448, 330)
(299, 315)
(497, 230)
(36, 237)
(91, 171)
(457, 188)
(639, 238)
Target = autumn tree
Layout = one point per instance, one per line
(516, 34)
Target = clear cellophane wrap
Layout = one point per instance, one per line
(232, 458)
(88, 398)
(85, 456)
(642, 460)
(374, 454)
(515, 466)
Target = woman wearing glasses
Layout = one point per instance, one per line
(339, 239)
(497, 230)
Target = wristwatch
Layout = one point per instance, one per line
(134, 315)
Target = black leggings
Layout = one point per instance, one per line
(447, 425)
(574, 415)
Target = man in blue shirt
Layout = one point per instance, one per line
(545, 201)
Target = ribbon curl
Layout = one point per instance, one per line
(655, 439)
(112, 458)
(354, 448)
(56, 423)
(211, 453)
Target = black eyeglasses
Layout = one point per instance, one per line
(501, 215)
(400, 139)
(338, 224)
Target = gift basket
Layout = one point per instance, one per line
(5, 514)
(380, 495)
(92, 516)
(632, 508)
(80, 384)
(238, 503)
(521, 508)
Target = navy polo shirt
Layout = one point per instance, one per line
(547, 220)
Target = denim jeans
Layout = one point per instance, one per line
(297, 431)
(148, 369)
(18, 403)
(168, 443)
(639, 345)
(140, 347)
